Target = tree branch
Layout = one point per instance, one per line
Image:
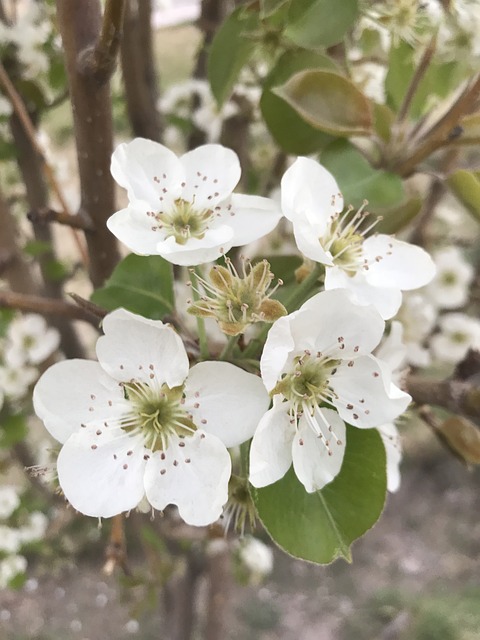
(79, 24)
(416, 79)
(99, 61)
(44, 216)
(45, 306)
(458, 396)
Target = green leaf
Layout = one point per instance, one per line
(142, 284)
(466, 187)
(269, 7)
(290, 131)
(37, 248)
(13, 429)
(321, 526)
(320, 23)
(328, 102)
(396, 218)
(230, 50)
(284, 267)
(359, 181)
(56, 270)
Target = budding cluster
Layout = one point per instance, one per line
(236, 301)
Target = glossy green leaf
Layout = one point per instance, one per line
(466, 187)
(289, 130)
(358, 180)
(142, 284)
(230, 50)
(320, 23)
(328, 102)
(321, 526)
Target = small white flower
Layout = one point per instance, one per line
(16, 379)
(31, 339)
(318, 366)
(10, 539)
(375, 270)
(35, 528)
(458, 333)
(449, 288)
(418, 317)
(10, 568)
(139, 423)
(256, 556)
(183, 208)
(9, 500)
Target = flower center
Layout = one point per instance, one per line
(308, 385)
(183, 221)
(156, 412)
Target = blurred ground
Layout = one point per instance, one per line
(415, 576)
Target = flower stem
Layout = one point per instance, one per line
(228, 348)
(202, 334)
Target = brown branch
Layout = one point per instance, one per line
(440, 132)
(116, 551)
(45, 306)
(416, 79)
(79, 24)
(90, 307)
(139, 74)
(44, 216)
(219, 593)
(458, 396)
(99, 61)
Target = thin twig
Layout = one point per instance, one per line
(45, 306)
(416, 79)
(26, 122)
(116, 551)
(80, 220)
(100, 61)
(90, 307)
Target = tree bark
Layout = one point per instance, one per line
(139, 74)
(79, 24)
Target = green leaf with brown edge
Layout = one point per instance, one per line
(230, 50)
(465, 185)
(321, 526)
(141, 284)
(328, 102)
(291, 131)
(314, 24)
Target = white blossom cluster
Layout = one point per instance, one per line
(142, 424)
(15, 534)
(28, 342)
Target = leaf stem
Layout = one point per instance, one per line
(195, 272)
(228, 348)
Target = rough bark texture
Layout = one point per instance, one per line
(79, 24)
(139, 75)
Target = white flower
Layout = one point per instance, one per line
(11, 567)
(418, 317)
(458, 333)
(449, 288)
(15, 380)
(10, 540)
(9, 500)
(35, 528)
(256, 556)
(139, 423)
(393, 449)
(377, 269)
(183, 208)
(318, 366)
(31, 339)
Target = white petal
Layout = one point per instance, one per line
(309, 242)
(149, 171)
(216, 242)
(339, 325)
(393, 263)
(136, 348)
(133, 227)
(211, 174)
(392, 349)
(253, 217)
(393, 449)
(386, 300)
(193, 476)
(102, 475)
(271, 449)
(310, 192)
(225, 401)
(74, 392)
(44, 347)
(278, 346)
(314, 463)
(366, 396)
